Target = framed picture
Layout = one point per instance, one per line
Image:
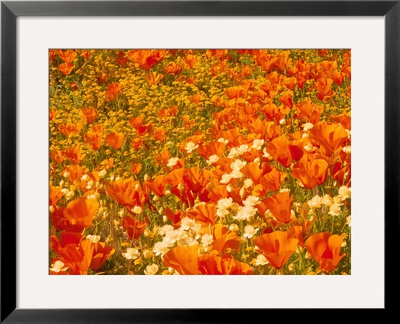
(190, 161)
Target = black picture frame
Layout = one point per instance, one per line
(11, 10)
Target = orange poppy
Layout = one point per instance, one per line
(94, 139)
(81, 211)
(343, 119)
(203, 213)
(324, 90)
(246, 71)
(310, 110)
(195, 99)
(139, 57)
(185, 195)
(75, 172)
(346, 69)
(101, 253)
(274, 77)
(189, 80)
(271, 111)
(121, 59)
(265, 174)
(70, 238)
(236, 92)
(287, 99)
(191, 60)
(218, 68)
(183, 259)
(158, 185)
(224, 239)
(68, 246)
(137, 123)
(66, 68)
(175, 177)
(67, 55)
(137, 143)
(296, 149)
(297, 232)
(292, 70)
(113, 91)
(341, 173)
(197, 179)
(74, 85)
(271, 89)
(322, 52)
(248, 84)
(153, 78)
(339, 77)
(89, 114)
(221, 54)
(134, 228)
(98, 128)
(52, 114)
(251, 155)
(212, 264)
(74, 154)
(264, 59)
(213, 148)
(231, 135)
(163, 158)
(302, 78)
(52, 55)
(277, 247)
(216, 192)
(325, 249)
(303, 225)
(126, 192)
(79, 255)
(223, 117)
(282, 60)
(173, 110)
(174, 217)
(279, 149)
(232, 74)
(102, 78)
(144, 129)
(146, 58)
(303, 65)
(81, 268)
(156, 56)
(69, 128)
(310, 171)
(57, 156)
(266, 129)
(159, 134)
(289, 82)
(326, 68)
(173, 68)
(280, 205)
(61, 223)
(329, 136)
(115, 140)
(55, 195)
(135, 168)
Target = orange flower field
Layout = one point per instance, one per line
(200, 162)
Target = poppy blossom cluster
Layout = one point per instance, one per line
(200, 162)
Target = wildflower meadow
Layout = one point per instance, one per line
(199, 162)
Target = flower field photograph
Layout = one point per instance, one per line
(199, 162)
